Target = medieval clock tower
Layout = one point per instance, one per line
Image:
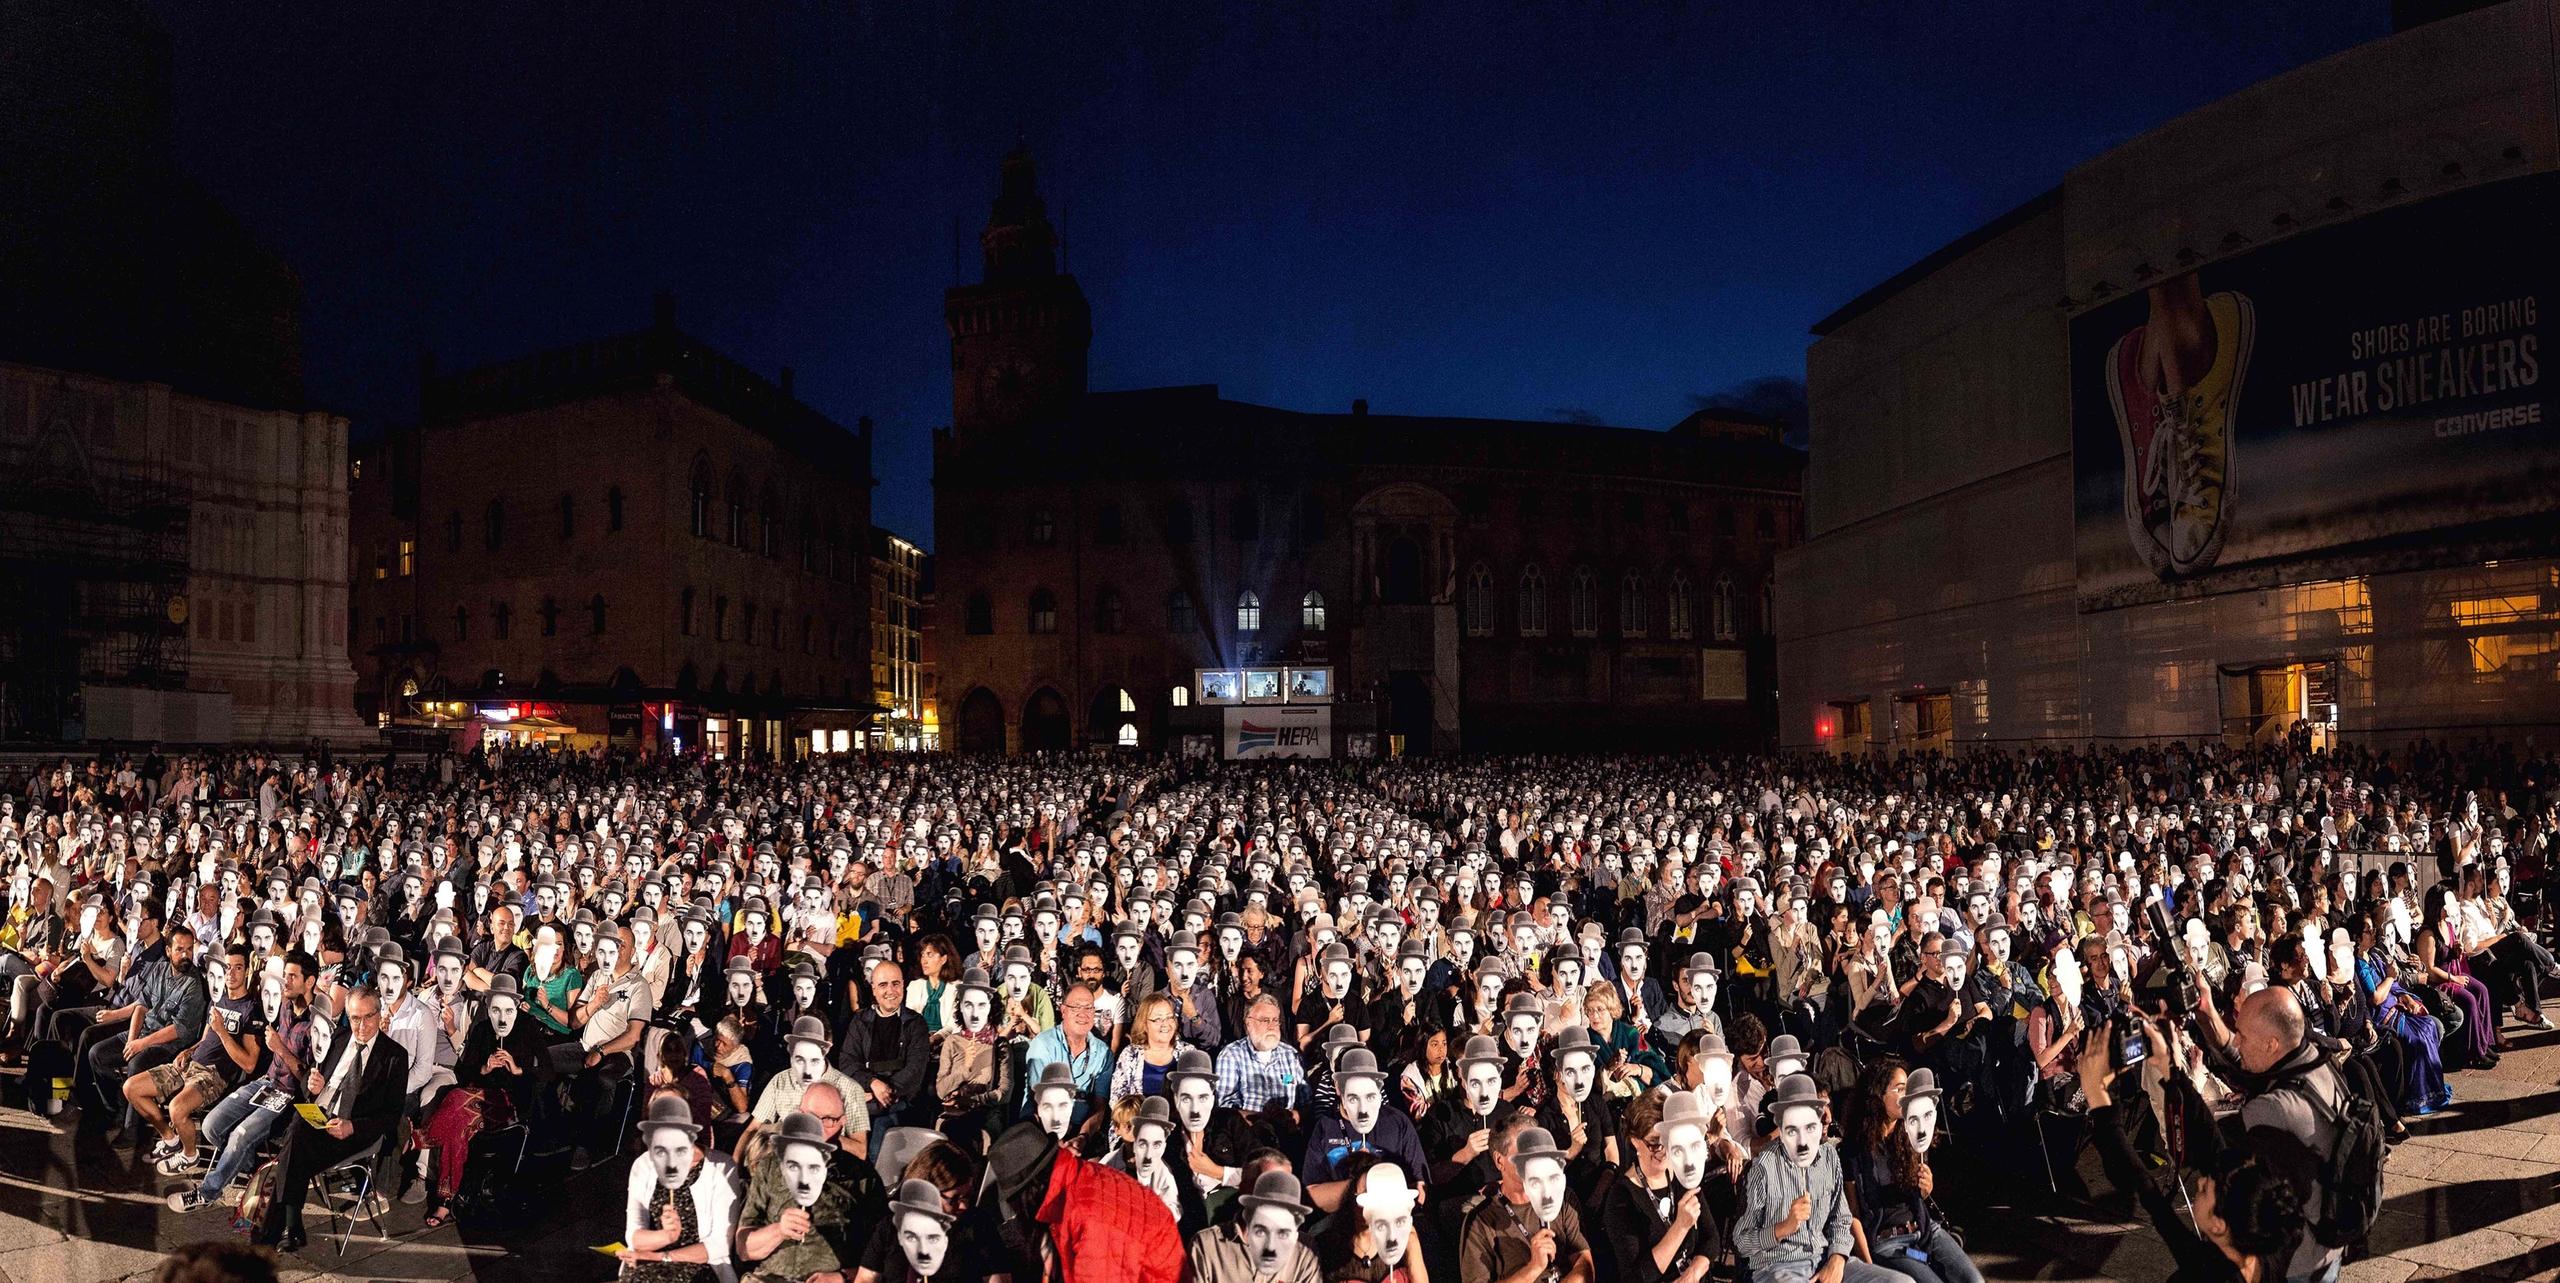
(1018, 338)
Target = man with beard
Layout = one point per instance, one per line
(811, 1205)
(228, 1049)
(1651, 1215)
(1096, 1224)
(165, 1017)
(1261, 1244)
(235, 1128)
(1362, 1123)
(1529, 1230)
(1795, 1226)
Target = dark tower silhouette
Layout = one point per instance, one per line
(1018, 337)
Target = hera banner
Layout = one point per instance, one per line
(2361, 398)
(1279, 730)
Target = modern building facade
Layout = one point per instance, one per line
(634, 541)
(1468, 582)
(907, 722)
(173, 508)
(2239, 431)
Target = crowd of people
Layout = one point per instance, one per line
(1492, 1020)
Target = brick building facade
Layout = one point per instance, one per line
(635, 537)
(1485, 583)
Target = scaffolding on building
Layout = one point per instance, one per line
(93, 577)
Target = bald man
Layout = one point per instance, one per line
(2294, 1101)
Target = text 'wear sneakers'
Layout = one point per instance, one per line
(2178, 440)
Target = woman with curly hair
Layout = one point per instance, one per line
(1153, 1045)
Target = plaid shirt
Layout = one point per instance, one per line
(1250, 1080)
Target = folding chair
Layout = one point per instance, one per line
(358, 1206)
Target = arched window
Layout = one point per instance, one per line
(613, 509)
(1311, 611)
(1044, 527)
(1127, 705)
(737, 510)
(1721, 610)
(720, 619)
(1182, 697)
(1583, 603)
(1681, 612)
(1633, 617)
(701, 519)
(1108, 617)
(1178, 617)
(1479, 601)
(1128, 734)
(500, 615)
(595, 615)
(980, 616)
(1248, 612)
(550, 617)
(1044, 611)
(684, 619)
(497, 521)
(808, 540)
(769, 524)
(1533, 601)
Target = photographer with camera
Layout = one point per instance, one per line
(2300, 1115)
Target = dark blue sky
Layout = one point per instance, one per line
(1488, 208)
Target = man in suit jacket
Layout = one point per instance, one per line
(364, 1084)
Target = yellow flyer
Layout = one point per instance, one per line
(313, 1114)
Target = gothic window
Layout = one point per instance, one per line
(1632, 614)
(1584, 603)
(1681, 610)
(747, 616)
(1108, 617)
(1721, 610)
(1182, 697)
(497, 521)
(1248, 612)
(701, 512)
(1044, 611)
(769, 523)
(1533, 601)
(981, 615)
(737, 510)
(1044, 527)
(808, 541)
(1479, 601)
(684, 618)
(720, 619)
(1311, 611)
(1178, 617)
(501, 615)
(550, 617)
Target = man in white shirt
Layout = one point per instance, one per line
(612, 1015)
(363, 1089)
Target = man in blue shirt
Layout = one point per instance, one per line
(1070, 1042)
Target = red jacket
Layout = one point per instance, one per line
(1108, 1228)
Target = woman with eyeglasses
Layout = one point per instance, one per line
(1154, 1043)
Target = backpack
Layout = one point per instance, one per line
(2351, 1174)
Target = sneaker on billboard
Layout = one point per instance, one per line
(2178, 442)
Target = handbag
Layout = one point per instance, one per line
(251, 1209)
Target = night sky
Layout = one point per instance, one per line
(1532, 210)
